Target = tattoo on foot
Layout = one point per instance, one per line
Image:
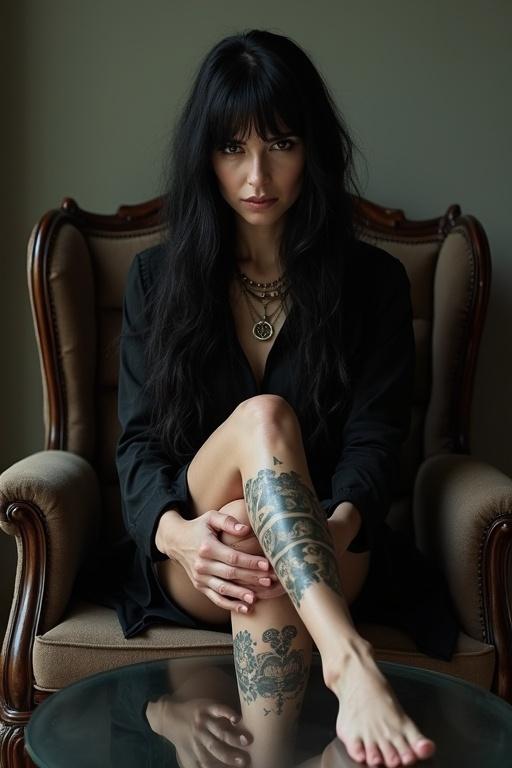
(293, 532)
(279, 674)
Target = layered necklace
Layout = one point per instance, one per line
(264, 293)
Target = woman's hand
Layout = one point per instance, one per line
(344, 525)
(204, 732)
(270, 586)
(346, 518)
(228, 577)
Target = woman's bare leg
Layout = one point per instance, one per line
(262, 445)
(272, 652)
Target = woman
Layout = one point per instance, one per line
(265, 388)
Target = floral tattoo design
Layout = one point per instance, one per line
(279, 674)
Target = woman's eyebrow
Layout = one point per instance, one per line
(270, 138)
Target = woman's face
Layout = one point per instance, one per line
(270, 170)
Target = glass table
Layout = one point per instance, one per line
(177, 713)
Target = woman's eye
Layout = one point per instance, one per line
(230, 149)
(284, 144)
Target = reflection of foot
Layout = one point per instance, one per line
(371, 723)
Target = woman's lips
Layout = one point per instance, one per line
(259, 206)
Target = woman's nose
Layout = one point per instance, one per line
(258, 170)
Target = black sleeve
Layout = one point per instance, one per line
(150, 480)
(367, 470)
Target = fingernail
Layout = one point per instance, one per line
(235, 719)
(243, 609)
(244, 740)
(248, 598)
(239, 761)
(263, 565)
(265, 582)
(239, 527)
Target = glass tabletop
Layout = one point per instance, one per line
(177, 713)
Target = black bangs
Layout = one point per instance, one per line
(249, 96)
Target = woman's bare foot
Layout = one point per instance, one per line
(371, 723)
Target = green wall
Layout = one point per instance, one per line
(91, 90)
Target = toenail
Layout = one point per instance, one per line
(423, 743)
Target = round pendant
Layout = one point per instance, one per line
(262, 330)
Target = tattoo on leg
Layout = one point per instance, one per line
(279, 674)
(292, 530)
(276, 460)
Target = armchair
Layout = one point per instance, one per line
(60, 501)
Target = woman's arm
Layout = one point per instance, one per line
(347, 514)
(154, 487)
(367, 470)
(151, 481)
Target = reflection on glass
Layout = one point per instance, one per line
(193, 712)
(200, 714)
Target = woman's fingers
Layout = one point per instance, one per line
(228, 553)
(218, 709)
(227, 576)
(213, 549)
(221, 522)
(232, 573)
(233, 736)
(230, 589)
(210, 750)
(225, 602)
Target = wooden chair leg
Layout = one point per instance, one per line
(12, 748)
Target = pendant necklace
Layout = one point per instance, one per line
(264, 293)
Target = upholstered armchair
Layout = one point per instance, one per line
(60, 502)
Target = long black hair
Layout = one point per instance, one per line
(258, 79)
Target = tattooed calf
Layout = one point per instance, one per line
(292, 530)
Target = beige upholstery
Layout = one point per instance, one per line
(90, 640)
(456, 498)
(75, 488)
(65, 488)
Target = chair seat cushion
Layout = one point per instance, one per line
(89, 640)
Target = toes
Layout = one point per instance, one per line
(405, 752)
(419, 744)
(390, 755)
(373, 754)
(423, 747)
(356, 751)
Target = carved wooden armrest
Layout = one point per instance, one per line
(51, 502)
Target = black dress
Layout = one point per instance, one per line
(359, 461)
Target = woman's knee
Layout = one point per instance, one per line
(268, 411)
(237, 508)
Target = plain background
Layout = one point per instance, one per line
(91, 91)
